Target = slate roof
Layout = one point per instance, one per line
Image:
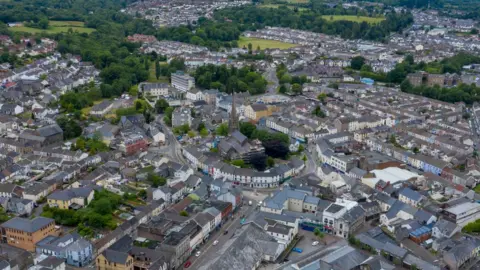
(245, 249)
(115, 256)
(445, 227)
(411, 194)
(27, 225)
(50, 130)
(68, 194)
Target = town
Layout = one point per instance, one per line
(144, 140)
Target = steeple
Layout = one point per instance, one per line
(233, 121)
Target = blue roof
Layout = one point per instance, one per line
(421, 231)
(411, 194)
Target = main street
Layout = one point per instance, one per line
(271, 76)
(174, 148)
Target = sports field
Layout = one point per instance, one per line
(353, 18)
(264, 43)
(56, 27)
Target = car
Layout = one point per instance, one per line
(215, 242)
(197, 254)
(315, 243)
(296, 249)
(225, 232)
(187, 264)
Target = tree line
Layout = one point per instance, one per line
(229, 79)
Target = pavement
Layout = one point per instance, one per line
(208, 250)
(271, 76)
(174, 148)
(310, 164)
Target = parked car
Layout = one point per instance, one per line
(315, 243)
(225, 232)
(215, 242)
(187, 264)
(197, 254)
(299, 250)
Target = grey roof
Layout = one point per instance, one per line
(421, 264)
(366, 239)
(27, 225)
(445, 227)
(400, 206)
(354, 214)
(245, 249)
(312, 200)
(278, 199)
(422, 216)
(7, 187)
(345, 257)
(115, 256)
(68, 194)
(334, 208)
(394, 250)
(384, 198)
(411, 194)
(50, 130)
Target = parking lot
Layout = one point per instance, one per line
(306, 243)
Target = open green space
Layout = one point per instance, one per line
(279, 5)
(353, 18)
(264, 43)
(56, 27)
(152, 74)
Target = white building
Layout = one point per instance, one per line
(182, 81)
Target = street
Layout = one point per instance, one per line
(174, 149)
(208, 250)
(271, 76)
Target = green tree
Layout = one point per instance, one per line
(103, 206)
(222, 129)
(282, 89)
(357, 62)
(270, 162)
(238, 162)
(304, 158)
(415, 150)
(286, 79)
(247, 129)
(184, 213)
(161, 105)
(204, 132)
(201, 126)
(157, 70)
(191, 134)
(43, 23)
(296, 88)
(322, 97)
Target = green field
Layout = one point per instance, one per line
(264, 43)
(56, 27)
(353, 18)
(278, 5)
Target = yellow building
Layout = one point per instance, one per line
(26, 233)
(114, 260)
(74, 198)
(257, 111)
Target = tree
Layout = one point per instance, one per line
(161, 105)
(296, 88)
(192, 112)
(103, 206)
(222, 129)
(247, 129)
(156, 180)
(142, 193)
(282, 89)
(474, 31)
(270, 162)
(191, 134)
(203, 132)
(416, 150)
(318, 112)
(250, 48)
(304, 158)
(322, 97)
(357, 62)
(405, 86)
(43, 23)
(201, 126)
(183, 213)
(157, 69)
(239, 163)
(286, 79)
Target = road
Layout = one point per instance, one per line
(174, 148)
(208, 250)
(271, 76)
(310, 164)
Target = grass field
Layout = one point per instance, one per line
(264, 43)
(278, 5)
(353, 18)
(152, 76)
(56, 27)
